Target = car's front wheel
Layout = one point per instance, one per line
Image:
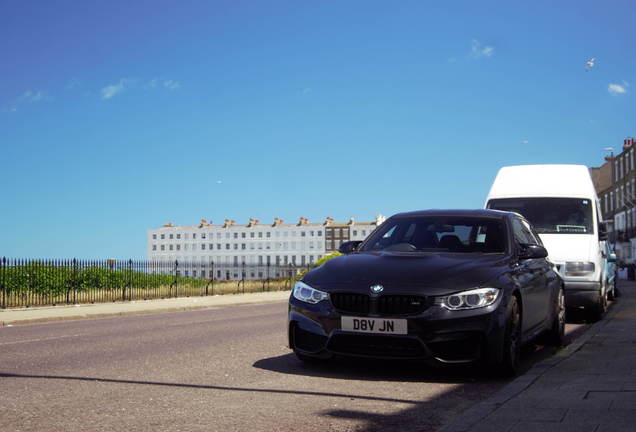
(512, 339)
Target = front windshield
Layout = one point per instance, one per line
(551, 215)
(438, 234)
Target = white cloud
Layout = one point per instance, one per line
(616, 89)
(477, 52)
(112, 90)
(153, 83)
(73, 84)
(171, 85)
(28, 97)
(307, 90)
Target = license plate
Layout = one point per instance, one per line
(374, 325)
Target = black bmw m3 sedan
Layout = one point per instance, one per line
(443, 286)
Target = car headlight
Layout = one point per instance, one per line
(473, 299)
(307, 294)
(579, 268)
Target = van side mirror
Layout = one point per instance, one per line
(348, 247)
(602, 232)
(528, 251)
(612, 258)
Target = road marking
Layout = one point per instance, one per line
(42, 339)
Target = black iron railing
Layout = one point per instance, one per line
(29, 282)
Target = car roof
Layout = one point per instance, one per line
(494, 214)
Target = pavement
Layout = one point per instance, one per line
(590, 385)
(35, 315)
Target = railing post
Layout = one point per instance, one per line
(130, 279)
(4, 283)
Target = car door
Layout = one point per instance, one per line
(532, 275)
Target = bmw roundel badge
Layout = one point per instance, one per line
(377, 288)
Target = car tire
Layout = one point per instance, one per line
(315, 360)
(610, 294)
(556, 335)
(596, 312)
(512, 339)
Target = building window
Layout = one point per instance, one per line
(319, 245)
(154, 236)
(285, 245)
(203, 246)
(311, 259)
(302, 233)
(194, 247)
(260, 234)
(251, 246)
(154, 247)
(251, 235)
(163, 236)
(178, 247)
(277, 233)
(202, 235)
(293, 245)
(227, 235)
(364, 232)
(303, 245)
(328, 234)
(185, 236)
(242, 235)
(243, 246)
(235, 246)
(269, 234)
(260, 245)
(218, 246)
(227, 246)
(311, 233)
(218, 235)
(211, 246)
(178, 236)
(194, 236)
(302, 260)
(355, 233)
(311, 245)
(269, 246)
(319, 233)
(170, 247)
(286, 234)
(163, 247)
(293, 233)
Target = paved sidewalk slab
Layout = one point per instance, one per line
(590, 385)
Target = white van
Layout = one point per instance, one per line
(561, 204)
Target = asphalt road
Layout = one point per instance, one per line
(220, 369)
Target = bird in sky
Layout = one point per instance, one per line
(589, 64)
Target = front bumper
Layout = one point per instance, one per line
(436, 334)
(581, 293)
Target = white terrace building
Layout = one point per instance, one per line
(252, 251)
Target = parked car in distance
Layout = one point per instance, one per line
(611, 271)
(443, 286)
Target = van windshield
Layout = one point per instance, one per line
(551, 215)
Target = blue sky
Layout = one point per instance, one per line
(117, 117)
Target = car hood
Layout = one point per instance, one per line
(442, 273)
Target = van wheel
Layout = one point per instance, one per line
(512, 339)
(611, 294)
(596, 312)
(556, 335)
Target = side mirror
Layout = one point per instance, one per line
(602, 232)
(612, 258)
(348, 247)
(528, 251)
